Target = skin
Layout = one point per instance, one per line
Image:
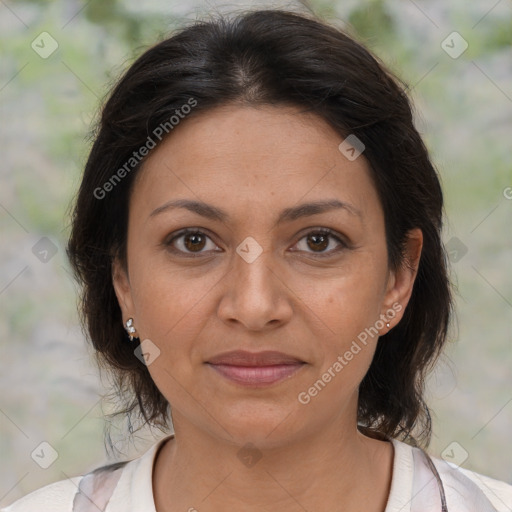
(252, 163)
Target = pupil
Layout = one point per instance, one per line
(195, 238)
(316, 238)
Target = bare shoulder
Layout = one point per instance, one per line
(55, 497)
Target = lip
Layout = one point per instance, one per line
(255, 369)
(244, 358)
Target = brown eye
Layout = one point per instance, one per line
(319, 240)
(194, 241)
(190, 242)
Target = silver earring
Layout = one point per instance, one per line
(387, 325)
(130, 329)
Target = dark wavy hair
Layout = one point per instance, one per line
(270, 57)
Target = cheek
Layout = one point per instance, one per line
(346, 311)
(173, 314)
(352, 335)
(346, 342)
(348, 302)
(169, 299)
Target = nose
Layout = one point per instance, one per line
(255, 294)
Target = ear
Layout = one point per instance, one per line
(401, 281)
(122, 288)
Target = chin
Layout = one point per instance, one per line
(259, 426)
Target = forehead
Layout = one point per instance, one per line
(252, 157)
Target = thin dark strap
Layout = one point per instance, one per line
(433, 468)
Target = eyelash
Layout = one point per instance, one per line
(197, 231)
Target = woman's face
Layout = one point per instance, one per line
(257, 275)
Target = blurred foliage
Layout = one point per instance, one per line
(371, 19)
(116, 20)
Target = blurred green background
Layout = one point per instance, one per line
(51, 86)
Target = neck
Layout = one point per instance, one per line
(331, 469)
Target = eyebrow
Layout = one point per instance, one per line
(287, 215)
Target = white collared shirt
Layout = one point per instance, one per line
(414, 488)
